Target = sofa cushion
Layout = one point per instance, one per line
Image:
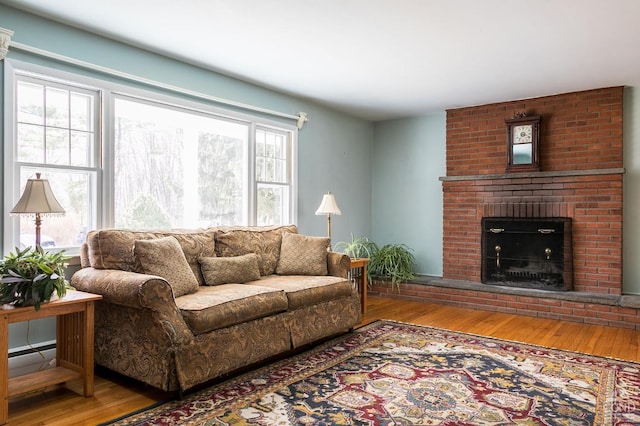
(264, 241)
(164, 257)
(303, 255)
(236, 269)
(303, 291)
(224, 305)
(113, 248)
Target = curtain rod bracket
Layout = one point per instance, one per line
(302, 118)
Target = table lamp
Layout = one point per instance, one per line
(37, 199)
(328, 206)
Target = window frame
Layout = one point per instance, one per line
(288, 174)
(21, 71)
(104, 150)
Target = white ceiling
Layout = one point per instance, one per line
(380, 59)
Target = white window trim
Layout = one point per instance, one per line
(104, 149)
(10, 234)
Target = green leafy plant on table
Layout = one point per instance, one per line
(31, 276)
(358, 248)
(392, 262)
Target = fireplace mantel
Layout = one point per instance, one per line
(560, 173)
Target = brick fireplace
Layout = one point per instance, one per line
(580, 178)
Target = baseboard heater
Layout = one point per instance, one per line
(28, 359)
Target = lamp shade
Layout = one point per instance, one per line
(328, 205)
(37, 198)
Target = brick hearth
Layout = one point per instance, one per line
(581, 178)
(589, 308)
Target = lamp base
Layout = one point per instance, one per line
(329, 230)
(38, 223)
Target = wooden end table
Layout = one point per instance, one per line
(361, 280)
(74, 346)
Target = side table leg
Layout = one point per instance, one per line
(88, 379)
(365, 284)
(75, 344)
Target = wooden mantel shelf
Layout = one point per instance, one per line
(520, 175)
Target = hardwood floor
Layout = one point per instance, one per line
(115, 396)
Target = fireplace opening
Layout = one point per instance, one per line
(527, 252)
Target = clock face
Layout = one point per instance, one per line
(523, 133)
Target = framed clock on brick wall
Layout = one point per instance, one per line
(523, 139)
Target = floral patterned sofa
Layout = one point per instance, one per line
(182, 307)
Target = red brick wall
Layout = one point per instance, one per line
(579, 131)
(580, 158)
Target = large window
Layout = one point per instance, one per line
(120, 157)
(273, 176)
(175, 168)
(56, 135)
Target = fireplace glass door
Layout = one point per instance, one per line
(527, 252)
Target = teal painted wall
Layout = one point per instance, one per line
(384, 175)
(334, 149)
(408, 159)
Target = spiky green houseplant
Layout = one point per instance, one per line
(358, 248)
(392, 262)
(31, 276)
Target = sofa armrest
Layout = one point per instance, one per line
(338, 264)
(139, 291)
(115, 286)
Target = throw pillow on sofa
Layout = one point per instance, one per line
(164, 257)
(235, 269)
(302, 255)
(265, 241)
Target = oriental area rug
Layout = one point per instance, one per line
(392, 373)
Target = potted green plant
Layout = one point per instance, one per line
(358, 248)
(392, 262)
(31, 276)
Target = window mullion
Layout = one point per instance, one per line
(252, 210)
(69, 126)
(44, 125)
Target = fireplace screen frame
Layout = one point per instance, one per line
(527, 252)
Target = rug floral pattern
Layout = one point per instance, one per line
(402, 374)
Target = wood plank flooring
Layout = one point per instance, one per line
(115, 396)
